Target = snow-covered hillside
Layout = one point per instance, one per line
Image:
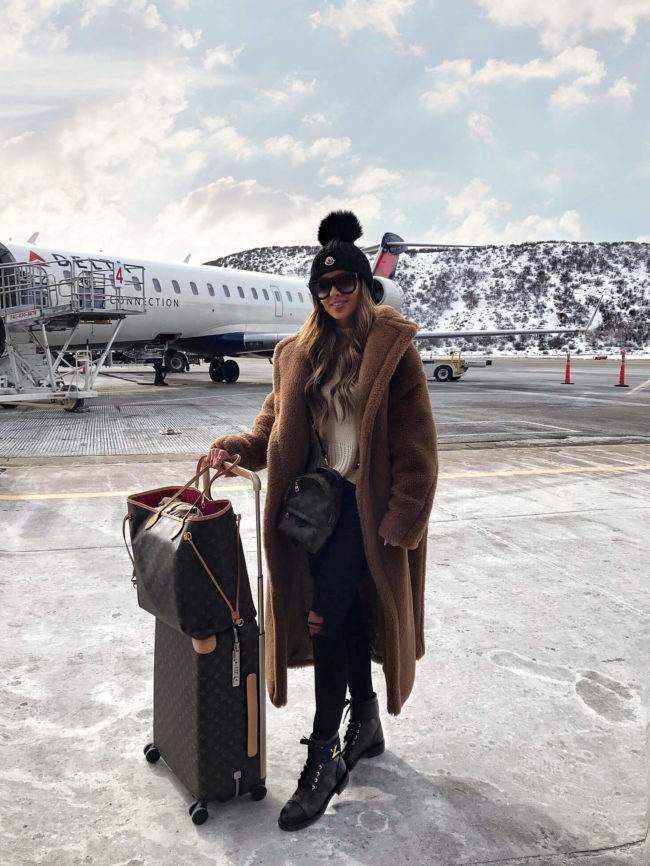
(544, 284)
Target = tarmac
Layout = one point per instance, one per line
(526, 738)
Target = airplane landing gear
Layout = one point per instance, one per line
(216, 369)
(231, 371)
(221, 370)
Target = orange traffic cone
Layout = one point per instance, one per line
(567, 374)
(621, 378)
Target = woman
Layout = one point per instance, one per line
(349, 386)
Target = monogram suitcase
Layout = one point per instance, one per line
(209, 722)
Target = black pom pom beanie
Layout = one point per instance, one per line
(337, 234)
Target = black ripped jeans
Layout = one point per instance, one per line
(341, 647)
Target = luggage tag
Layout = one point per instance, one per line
(236, 667)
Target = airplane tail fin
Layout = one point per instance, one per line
(385, 261)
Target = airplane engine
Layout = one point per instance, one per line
(387, 291)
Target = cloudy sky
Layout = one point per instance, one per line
(193, 126)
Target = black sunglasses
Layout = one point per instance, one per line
(344, 283)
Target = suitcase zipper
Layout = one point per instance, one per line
(235, 659)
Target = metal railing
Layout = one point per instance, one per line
(89, 288)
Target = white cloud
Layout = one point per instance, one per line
(221, 56)
(569, 222)
(355, 15)
(472, 199)
(31, 25)
(187, 38)
(332, 180)
(622, 89)
(229, 215)
(330, 148)
(373, 179)
(286, 145)
(416, 50)
(100, 181)
(151, 18)
(214, 123)
(323, 148)
(292, 87)
(226, 141)
(455, 79)
(480, 125)
(564, 22)
(314, 119)
(643, 239)
(475, 217)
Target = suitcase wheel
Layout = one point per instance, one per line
(258, 792)
(199, 812)
(151, 753)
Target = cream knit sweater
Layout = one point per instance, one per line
(340, 438)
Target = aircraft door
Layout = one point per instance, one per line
(278, 301)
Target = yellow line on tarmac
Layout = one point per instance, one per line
(504, 472)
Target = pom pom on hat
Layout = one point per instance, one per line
(337, 234)
(340, 225)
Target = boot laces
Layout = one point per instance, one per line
(353, 729)
(309, 766)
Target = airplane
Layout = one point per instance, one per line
(218, 313)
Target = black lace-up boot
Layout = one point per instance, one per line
(323, 775)
(364, 737)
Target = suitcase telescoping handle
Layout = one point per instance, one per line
(206, 486)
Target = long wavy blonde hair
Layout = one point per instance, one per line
(330, 351)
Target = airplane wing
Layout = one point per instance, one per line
(434, 335)
(385, 263)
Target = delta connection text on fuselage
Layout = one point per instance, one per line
(86, 263)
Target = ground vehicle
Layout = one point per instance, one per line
(445, 368)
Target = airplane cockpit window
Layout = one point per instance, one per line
(177, 288)
(277, 295)
(195, 291)
(289, 298)
(156, 284)
(302, 301)
(241, 291)
(266, 294)
(254, 291)
(210, 289)
(226, 291)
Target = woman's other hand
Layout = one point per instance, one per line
(216, 457)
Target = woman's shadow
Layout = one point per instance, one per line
(392, 814)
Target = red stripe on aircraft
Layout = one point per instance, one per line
(34, 257)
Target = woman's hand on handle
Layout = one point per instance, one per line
(216, 457)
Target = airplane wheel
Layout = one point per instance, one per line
(443, 374)
(231, 371)
(177, 363)
(216, 370)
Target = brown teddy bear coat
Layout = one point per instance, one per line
(395, 488)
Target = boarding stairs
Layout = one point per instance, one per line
(35, 302)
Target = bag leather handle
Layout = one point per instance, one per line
(128, 517)
(159, 511)
(203, 469)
